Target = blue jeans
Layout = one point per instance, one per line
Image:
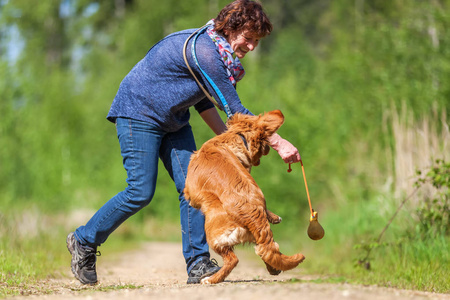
(141, 144)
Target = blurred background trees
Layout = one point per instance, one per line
(338, 70)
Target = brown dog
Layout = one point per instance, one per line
(219, 183)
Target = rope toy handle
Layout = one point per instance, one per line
(306, 185)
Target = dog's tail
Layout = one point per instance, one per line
(271, 255)
(266, 247)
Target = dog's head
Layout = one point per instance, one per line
(256, 130)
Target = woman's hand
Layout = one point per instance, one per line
(285, 149)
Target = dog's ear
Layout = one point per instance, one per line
(236, 118)
(271, 121)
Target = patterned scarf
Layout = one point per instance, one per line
(234, 67)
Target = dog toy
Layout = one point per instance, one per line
(315, 230)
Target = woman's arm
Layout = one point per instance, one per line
(212, 118)
(212, 63)
(285, 149)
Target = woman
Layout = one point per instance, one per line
(151, 113)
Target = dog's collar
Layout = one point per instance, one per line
(244, 140)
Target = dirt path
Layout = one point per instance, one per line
(156, 271)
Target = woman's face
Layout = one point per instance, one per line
(242, 42)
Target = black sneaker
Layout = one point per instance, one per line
(202, 269)
(83, 260)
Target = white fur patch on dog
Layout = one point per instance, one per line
(205, 281)
(233, 237)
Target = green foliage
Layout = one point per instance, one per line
(414, 249)
(433, 213)
(411, 263)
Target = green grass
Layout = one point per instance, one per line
(411, 263)
(22, 260)
(25, 262)
(331, 279)
(108, 288)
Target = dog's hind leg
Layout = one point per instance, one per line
(266, 247)
(256, 220)
(272, 270)
(273, 218)
(275, 260)
(230, 261)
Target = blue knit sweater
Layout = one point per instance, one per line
(160, 90)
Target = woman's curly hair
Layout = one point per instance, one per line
(243, 15)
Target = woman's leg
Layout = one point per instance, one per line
(139, 144)
(175, 152)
